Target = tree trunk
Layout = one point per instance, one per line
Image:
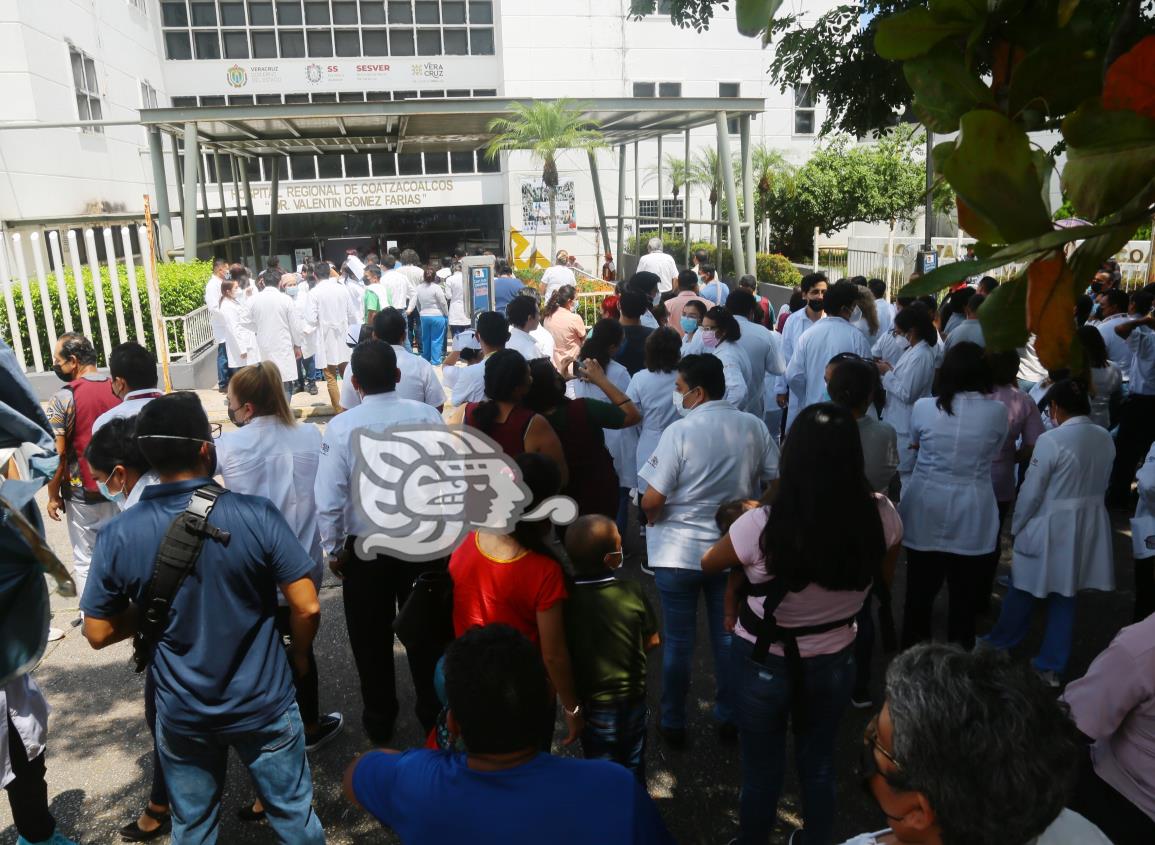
(717, 226)
(552, 224)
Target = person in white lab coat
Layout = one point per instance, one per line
(715, 455)
(1061, 528)
(806, 372)
(883, 308)
(719, 337)
(1106, 378)
(279, 329)
(949, 510)
(651, 389)
(968, 330)
(558, 275)
(334, 313)
(455, 293)
(659, 263)
(212, 301)
(1143, 539)
(523, 319)
(238, 330)
(418, 380)
(910, 380)
(763, 348)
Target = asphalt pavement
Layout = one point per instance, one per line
(99, 759)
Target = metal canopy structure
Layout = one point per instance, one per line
(415, 126)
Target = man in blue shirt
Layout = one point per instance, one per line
(221, 674)
(503, 790)
(505, 286)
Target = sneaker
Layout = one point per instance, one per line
(1050, 678)
(861, 701)
(311, 388)
(331, 724)
(55, 635)
(57, 838)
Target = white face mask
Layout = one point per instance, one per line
(679, 403)
(657, 300)
(855, 315)
(903, 343)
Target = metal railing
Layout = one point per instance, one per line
(589, 306)
(189, 334)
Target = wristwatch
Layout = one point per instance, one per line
(573, 714)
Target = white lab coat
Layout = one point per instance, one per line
(212, 300)
(763, 349)
(455, 293)
(308, 317)
(556, 277)
(521, 341)
(652, 393)
(797, 324)
(968, 331)
(806, 374)
(908, 382)
(1143, 524)
(890, 346)
(622, 444)
(268, 458)
(949, 505)
(418, 382)
(278, 330)
(1105, 382)
(1061, 528)
(239, 338)
(736, 367)
(885, 312)
(399, 290)
(333, 313)
(544, 340)
(1116, 346)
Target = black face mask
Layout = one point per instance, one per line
(816, 304)
(233, 419)
(63, 376)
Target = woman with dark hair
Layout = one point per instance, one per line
(1106, 380)
(580, 425)
(949, 511)
(693, 313)
(431, 306)
(853, 383)
(910, 380)
(718, 337)
(565, 325)
(793, 645)
(1061, 528)
(515, 428)
(651, 389)
(513, 579)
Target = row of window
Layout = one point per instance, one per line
(329, 97)
(292, 29)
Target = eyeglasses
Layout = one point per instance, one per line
(870, 744)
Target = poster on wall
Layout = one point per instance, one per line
(535, 207)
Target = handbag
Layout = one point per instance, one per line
(425, 622)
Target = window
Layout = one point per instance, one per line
(372, 12)
(730, 90)
(292, 43)
(87, 89)
(374, 42)
(208, 45)
(348, 42)
(481, 41)
(236, 45)
(268, 99)
(672, 210)
(384, 164)
(264, 44)
(669, 89)
(148, 98)
(645, 89)
(803, 110)
(320, 43)
(289, 13)
(233, 14)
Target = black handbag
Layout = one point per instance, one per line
(425, 621)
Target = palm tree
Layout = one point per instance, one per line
(678, 174)
(771, 171)
(707, 172)
(545, 128)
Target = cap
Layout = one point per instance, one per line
(466, 340)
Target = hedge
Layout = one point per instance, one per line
(182, 290)
(774, 268)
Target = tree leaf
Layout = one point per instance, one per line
(1004, 316)
(1045, 167)
(1110, 158)
(1051, 309)
(992, 171)
(1130, 81)
(944, 90)
(974, 225)
(1056, 76)
(1066, 10)
(913, 33)
(967, 11)
(754, 16)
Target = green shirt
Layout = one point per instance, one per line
(608, 623)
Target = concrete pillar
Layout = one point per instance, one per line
(275, 184)
(192, 153)
(748, 194)
(730, 190)
(160, 189)
(621, 207)
(598, 200)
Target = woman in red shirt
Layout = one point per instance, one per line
(513, 579)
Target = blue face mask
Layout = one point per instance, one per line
(689, 325)
(118, 498)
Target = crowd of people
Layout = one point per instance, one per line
(781, 464)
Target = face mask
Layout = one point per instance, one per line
(291, 290)
(63, 376)
(679, 405)
(902, 342)
(689, 325)
(816, 304)
(118, 498)
(709, 338)
(856, 314)
(657, 300)
(233, 419)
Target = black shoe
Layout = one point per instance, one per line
(133, 833)
(673, 737)
(330, 726)
(248, 815)
(311, 388)
(727, 733)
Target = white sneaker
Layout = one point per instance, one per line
(55, 635)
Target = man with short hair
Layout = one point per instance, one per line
(523, 319)
(418, 379)
(374, 588)
(1113, 305)
(222, 676)
(712, 289)
(632, 353)
(504, 788)
(216, 320)
(763, 349)
(279, 329)
(332, 312)
(970, 330)
(882, 308)
(971, 747)
(468, 384)
(660, 263)
(133, 372)
(798, 323)
(72, 411)
(987, 285)
(1137, 413)
(414, 274)
(505, 286)
(687, 291)
(765, 317)
(646, 283)
(559, 275)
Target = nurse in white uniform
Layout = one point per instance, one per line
(719, 337)
(651, 389)
(1062, 531)
(797, 324)
(1143, 539)
(949, 512)
(909, 381)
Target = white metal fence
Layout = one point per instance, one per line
(189, 334)
(104, 301)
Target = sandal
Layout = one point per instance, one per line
(133, 833)
(248, 814)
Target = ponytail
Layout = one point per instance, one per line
(260, 385)
(562, 296)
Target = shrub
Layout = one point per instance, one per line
(776, 269)
(182, 288)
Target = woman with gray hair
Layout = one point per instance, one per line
(971, 748)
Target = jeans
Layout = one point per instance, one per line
(679, 589)
(1015, 621)
(433, 339)
(926, 572)
(195, 766)
(373, 591)
(763, 694)
(985, 585)
(222, 366)
(158, 793)
(28, 791)
(617, 732)
(305, 368)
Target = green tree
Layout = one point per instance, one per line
(545, 128)
(773, 173)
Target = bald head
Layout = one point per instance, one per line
(593, 544)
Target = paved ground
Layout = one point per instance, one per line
(99, 765)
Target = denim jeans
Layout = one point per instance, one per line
(617, 732)
(1015, 621)
(194, 766)
(679, 590)
(306, 368)
(222, 366)
(763, 697)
